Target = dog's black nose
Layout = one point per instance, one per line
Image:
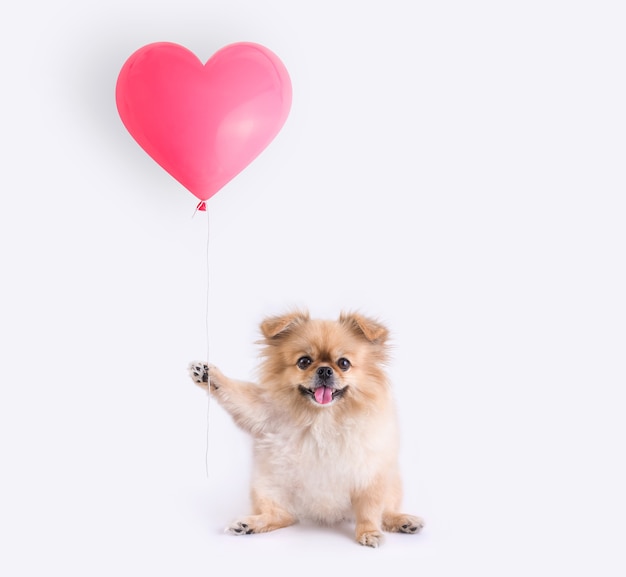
(324, 373)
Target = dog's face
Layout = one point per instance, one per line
(321, 364)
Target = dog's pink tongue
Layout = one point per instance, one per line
(323, 395)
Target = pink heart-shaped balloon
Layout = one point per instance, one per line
(203, 123)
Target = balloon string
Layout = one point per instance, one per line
(208, 349)
(202, 207)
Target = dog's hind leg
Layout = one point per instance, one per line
(402, 523)
(268, 516)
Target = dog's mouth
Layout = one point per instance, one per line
(323, 395)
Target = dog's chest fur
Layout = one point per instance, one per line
(314, 471)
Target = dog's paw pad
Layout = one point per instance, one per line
(199, 372)
(239, 528)
(412, 525)
(370, 539)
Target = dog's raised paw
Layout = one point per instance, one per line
(239, 528)
(199, 372)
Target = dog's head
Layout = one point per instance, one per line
(323, 363)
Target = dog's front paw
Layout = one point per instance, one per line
(370, 538)
(199, 372)
(203, 373)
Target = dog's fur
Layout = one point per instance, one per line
(324, 426)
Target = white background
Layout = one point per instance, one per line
(454, 168)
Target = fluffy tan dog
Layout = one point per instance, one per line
(324, 427)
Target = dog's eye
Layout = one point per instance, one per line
(344, 364)
(304, 362)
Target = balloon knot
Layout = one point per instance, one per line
(201, 206)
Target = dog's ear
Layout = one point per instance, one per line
(371, 329)
(272, 327)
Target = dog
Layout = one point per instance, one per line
(323, 424)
